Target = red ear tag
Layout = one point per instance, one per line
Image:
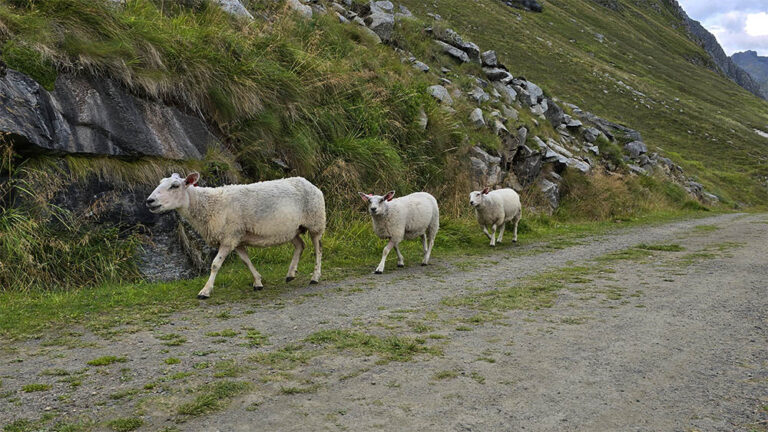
(194, 184)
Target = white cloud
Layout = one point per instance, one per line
(737, 25)
(757, 24)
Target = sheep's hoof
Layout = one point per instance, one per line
(401, 265)
(289, 278)
(313, 282)
(424, 264)
(378, 272)
(203, 297)
(258, 288)
(514, 241)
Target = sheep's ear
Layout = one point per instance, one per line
(363, 196)
(486, 190)
(192, 179)
(389, 195)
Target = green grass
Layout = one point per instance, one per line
(227, 333)
(661, 247)
(446, 374)
(125, 424)
(171, 361)
(532, 293)
(37, 387)
(106, 361)
(390, 348)
(212, 397)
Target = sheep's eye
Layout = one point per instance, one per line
(174, 186)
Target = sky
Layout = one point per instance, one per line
(739, 25)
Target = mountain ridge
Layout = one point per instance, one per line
(756, 66)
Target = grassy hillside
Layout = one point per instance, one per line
(342, 111)
(709, 131)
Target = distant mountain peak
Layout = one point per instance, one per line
(756, 66)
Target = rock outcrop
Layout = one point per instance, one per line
(95, 117)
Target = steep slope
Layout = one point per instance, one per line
(709, 43)
(756, 66)
(634, 64)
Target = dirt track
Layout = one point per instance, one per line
(663, 340)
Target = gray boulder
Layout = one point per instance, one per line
(476, 118)
(441, 94)
(96, 117)
(479, 95)
(420, 66)
(635, 149)
(535, 93)
(488, 58)
(526, 165)
(381, 20)
(551, 192)
(554, 114)
(497, 74)
(529, 5)
(485, 169)
(235, 8)
(301, 8)
(454, 52)
(591, 134)
(452, 38)
(577, 164)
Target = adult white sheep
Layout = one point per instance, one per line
(404, 218)
(236, 216)
(495, 209)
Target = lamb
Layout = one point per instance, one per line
(401, 219)
(495, 209)
(233, 217)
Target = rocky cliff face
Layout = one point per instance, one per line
(95, 117)
(709, 43)
(756, 66)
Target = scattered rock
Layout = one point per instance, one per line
(420, 66)
(235, 8)
(479, 95)
(591, 134)
(530, 5)
(635, 149)
(485, 169)
(452, 38)
(381, 19)
(301, 8)
(526, 165)
(488, 58)
(440, 93)
(551, 192)
(454, 52)
(476, 118)
(554, 114)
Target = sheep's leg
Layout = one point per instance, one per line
(318, 245)
(501, 232)
(514, 239)
(428, 244)
(215, 267)
(400, 261)
(242, 252)
(387, 248)
(487, 234)
(424, 243)
(298, 245)
(493, 235)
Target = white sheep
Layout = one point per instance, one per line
(495, 209)
(401, 219)
(233, 217)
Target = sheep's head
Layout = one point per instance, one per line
(378, 205)
(171, 193)
(476, 197)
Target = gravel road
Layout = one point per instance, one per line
(662, 340)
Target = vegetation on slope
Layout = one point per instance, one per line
(339, 109)
(698, 118)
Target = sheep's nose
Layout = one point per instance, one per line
(150, 200)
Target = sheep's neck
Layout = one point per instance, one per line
(195, 212)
